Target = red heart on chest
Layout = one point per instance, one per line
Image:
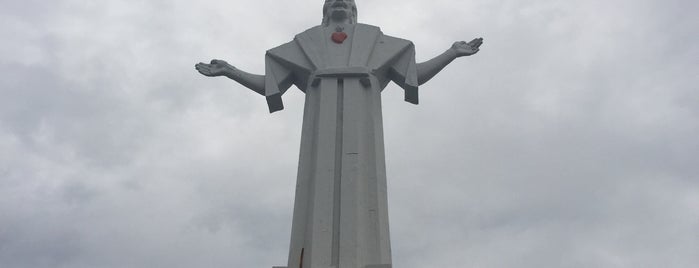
(339, 37)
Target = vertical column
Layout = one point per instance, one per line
(320, 231)
(363, 226)
(351, 244)
(337, 196)
(380, 187)
(369, 169)
(302, 216)
(341, 211)
(313, 228)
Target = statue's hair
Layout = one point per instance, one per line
(353, 17)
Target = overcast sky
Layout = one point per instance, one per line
(570, 140)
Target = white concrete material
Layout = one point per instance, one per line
(341, 206)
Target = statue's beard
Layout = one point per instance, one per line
(339, 15)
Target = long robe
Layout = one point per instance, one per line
(340, 215)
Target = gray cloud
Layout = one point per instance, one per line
(568, 141)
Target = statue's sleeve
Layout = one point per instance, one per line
(404, 73)
(278, 79)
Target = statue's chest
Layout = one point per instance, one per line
(338, 46)
(322, 48)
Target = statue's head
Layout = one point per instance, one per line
(344, 11)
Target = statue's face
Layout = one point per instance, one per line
(340, 10)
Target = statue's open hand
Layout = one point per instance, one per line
(216, 68)
(467, 49)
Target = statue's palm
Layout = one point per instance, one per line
(467, 49)
(216, 68)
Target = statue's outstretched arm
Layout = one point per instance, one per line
(430, 68)
(221, 68)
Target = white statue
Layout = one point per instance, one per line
(341, 211)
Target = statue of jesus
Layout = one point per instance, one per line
(340, 215)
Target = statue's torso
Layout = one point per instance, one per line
(366, 55)
(338, 54)
(341, 207)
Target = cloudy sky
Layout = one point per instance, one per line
(570, 140)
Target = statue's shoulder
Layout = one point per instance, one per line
(384, 37)
(310, 31)
(368, 27)
(294, 43)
